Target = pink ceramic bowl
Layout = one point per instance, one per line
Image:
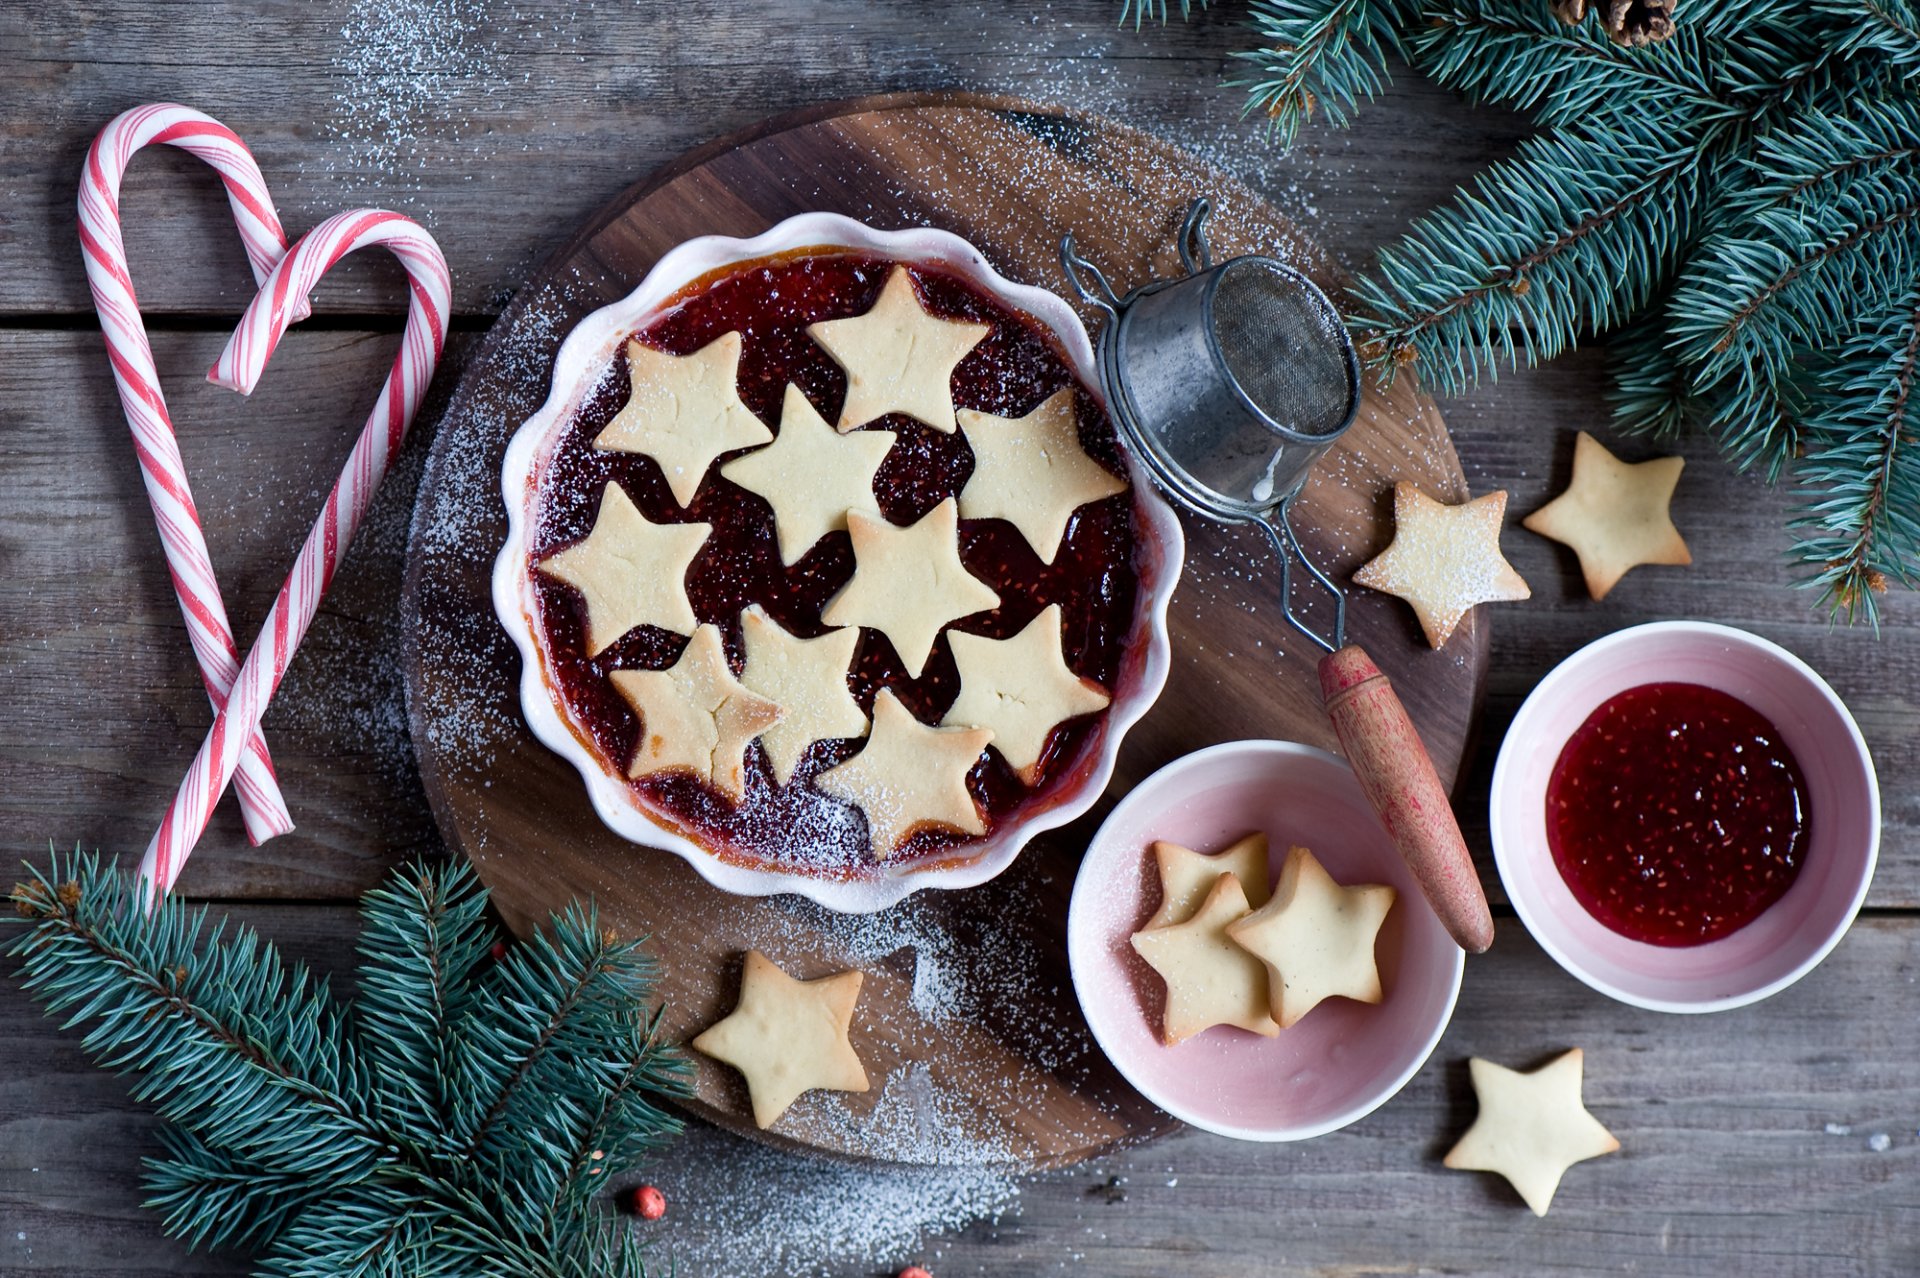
(1344, 1059)
(1843, 798)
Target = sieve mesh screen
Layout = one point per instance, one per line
(1275, 339)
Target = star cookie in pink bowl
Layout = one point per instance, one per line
(768, 443)
(1337, 1062)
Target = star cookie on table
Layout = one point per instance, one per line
(695, 716)
(1531, 1127)
(1021, 688)
(1032, 471)
(909, 775)
(1615, 514)
(1444, 559)
(1315, 937)
(787, 1037)
(683, 411)
(1210, 980)
(898, 357)
(1186, 876)
(630, 571)
(811, 475)
(807, 678)
(908, 583)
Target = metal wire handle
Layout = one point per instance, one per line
(1287, 548)
(1193, 236)
(1073, 264)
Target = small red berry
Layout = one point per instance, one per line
(498, 950)
(647, 1202)
(914, 1271)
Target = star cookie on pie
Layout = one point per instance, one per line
(1531, 1127)
(811, 475)
(1210, 980)
(1444, 559)
(1614, 514)
(787, 1037)
(683, 411)
(630, 571)
(807, 678)
(1021, 688)
(1187, 876)
(898, 357)
(909, 775)
(695, 716)
(1315, 937)
(1032, 471)
(908, 583)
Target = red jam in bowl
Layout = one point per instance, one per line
(1093, 577)
(1676, 814)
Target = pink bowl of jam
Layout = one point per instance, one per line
(1685, 816)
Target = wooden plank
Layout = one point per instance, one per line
(103, 704)
(1757, 1160)
(505, 129)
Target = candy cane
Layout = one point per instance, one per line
(240, 367)
(261, 804)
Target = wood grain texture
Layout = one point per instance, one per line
(1023, 1083)
(1728, 1168)
(1729, 1164)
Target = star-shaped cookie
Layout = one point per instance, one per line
(1021, 688)
(1032, 471)
(1614, 514)
(787, 1037)
(1531, 1127)
(1187, 876)
(684, 411)
(1444, 559)
(1210, 980)
(811, 475)
(1315, 937)
(908, 583)
(909, 775)
(630, 572)
(898, 357)
(695, 716)
(808, 679)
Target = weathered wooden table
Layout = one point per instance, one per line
(1781, 1139)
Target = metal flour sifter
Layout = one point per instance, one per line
(1229, 384)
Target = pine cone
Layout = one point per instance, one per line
(1628, 22)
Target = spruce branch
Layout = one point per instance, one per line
(383, 1139)
(1320, 56)
(1570, 235)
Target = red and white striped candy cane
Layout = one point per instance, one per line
(261, 804)
(240, 367)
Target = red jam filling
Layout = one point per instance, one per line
(1092, 578)
(1676, 814)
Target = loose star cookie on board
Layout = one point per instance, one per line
(811, 475)
(808, 679)
(1210, 980)
(695, 716)
(898, 357)
(1614, 514)
(908, 583)
(1186, 876)
(909, 775)
(1531, 1127)
(1021, 688)
(1444, 559)
(1032, 471)
(631, 572)
(1315, 937)
(684, 411)
(787, 1037)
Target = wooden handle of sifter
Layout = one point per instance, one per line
(1399, 781)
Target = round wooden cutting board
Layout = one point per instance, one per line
(967, 1022)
